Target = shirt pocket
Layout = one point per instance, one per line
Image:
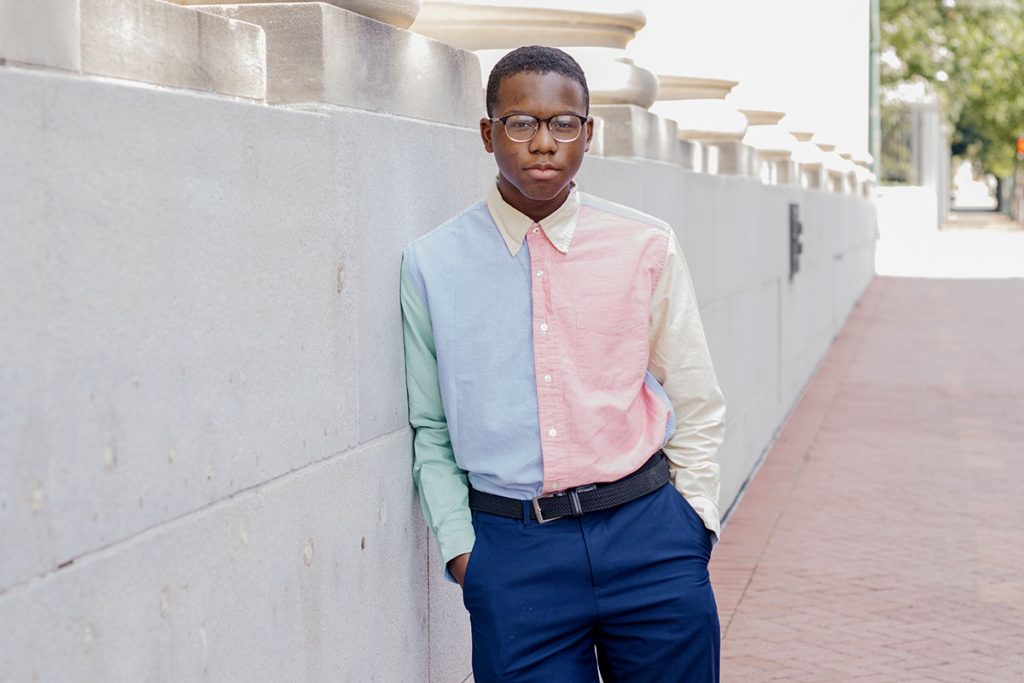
(611, 346)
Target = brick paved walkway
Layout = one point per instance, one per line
(883, 537)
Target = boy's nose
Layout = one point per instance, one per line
(543, 141)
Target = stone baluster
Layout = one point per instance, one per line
(834, 165)
(773, 147)
(710, 130)
(852, 178)
(862, 160)
(594, 34)
(811, 161)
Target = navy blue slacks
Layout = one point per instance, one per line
(625, 590)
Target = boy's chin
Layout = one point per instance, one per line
(543, 193)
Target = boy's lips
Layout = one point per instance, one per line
(542, 172)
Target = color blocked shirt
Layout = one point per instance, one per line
(544, 356)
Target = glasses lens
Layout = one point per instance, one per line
(565, 128)
(521, 127)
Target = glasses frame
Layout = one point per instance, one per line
(546, 122)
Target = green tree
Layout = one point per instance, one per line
(972, 54)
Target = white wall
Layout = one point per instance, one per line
(204, 454)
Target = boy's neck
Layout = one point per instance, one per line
(536, 211)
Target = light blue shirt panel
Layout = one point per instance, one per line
(479, 299)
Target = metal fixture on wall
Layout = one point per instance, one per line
(796, 247)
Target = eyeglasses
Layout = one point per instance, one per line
(523, 127)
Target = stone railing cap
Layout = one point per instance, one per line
(762, 117)
(400, 13)
(673, 87)
(491, 25)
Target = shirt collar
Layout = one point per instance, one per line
(559, 226)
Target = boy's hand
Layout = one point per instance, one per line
(457, 566)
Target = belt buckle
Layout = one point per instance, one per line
(536, 508)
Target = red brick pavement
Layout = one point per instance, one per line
(883, 537)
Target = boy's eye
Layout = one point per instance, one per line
(521, 124)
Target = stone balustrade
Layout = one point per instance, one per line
(302, 53)
(296, 53)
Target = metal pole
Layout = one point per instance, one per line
(874, 110)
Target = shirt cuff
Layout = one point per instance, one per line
(708, 512)
(454, 542)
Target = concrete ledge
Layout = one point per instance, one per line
(318, 53)
(40, 32)
(162, 43)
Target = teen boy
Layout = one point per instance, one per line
(563, 398)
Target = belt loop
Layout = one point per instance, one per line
(527, 507)
(574, 499)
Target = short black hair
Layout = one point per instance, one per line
(536, 59)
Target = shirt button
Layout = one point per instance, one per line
(540, 273)
(547, 378)
(543, 327)
(552, 432)
(554, 485)
(536, 229)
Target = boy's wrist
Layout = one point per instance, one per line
(457, 567)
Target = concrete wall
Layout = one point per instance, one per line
(204, 454)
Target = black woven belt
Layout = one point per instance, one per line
(580, 500)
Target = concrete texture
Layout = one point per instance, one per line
(164, 44)
(201, 329)
(172, 306)
(319, 53)
(405, 200)
(40, 32)
(881, 539)
(295, 579)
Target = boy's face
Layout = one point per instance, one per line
(534, 176)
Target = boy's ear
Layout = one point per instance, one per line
(485, 134)
(590, 132)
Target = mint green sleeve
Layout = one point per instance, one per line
(442, 485)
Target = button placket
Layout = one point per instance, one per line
(550, 414)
